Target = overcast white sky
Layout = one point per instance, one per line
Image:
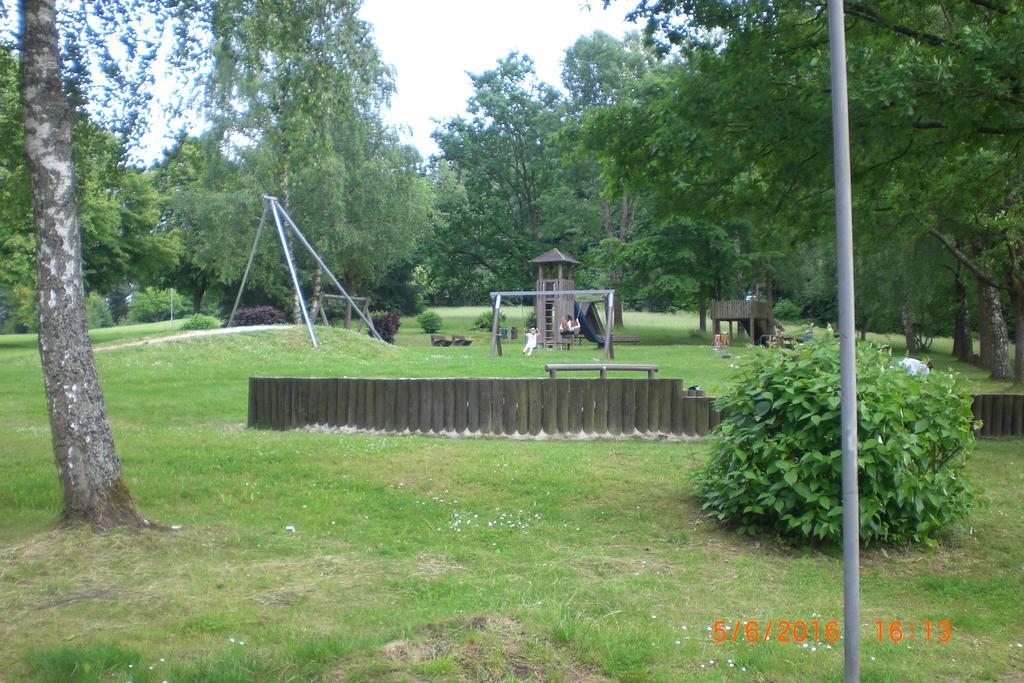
(433, 43)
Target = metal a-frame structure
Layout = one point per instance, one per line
(281, 219)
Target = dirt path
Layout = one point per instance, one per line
(181, 336)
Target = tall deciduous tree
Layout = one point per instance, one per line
(87, 462)
(512, 198)
(117, 204)
(297, 88)
(210, 213)
(932, 86)
(597, 72)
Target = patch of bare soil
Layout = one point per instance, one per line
(483, 648)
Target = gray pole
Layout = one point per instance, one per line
(320, 261)
(495, 320)
(291, 269)
(609, 312)
(847, 343)
(248, 264)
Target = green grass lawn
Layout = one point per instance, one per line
(417, 558)
(27, 342)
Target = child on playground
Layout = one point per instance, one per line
(531, 342)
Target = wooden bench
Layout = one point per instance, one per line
(439, 340)
(625, 339)
(554, 368)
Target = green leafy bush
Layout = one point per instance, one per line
(429, 321)
(20, 305)
(775, 460)
(259, 315)
(387, 325)
(98, 311)
(201, 322)
(154, 305)
(784, 309)
(485, 320)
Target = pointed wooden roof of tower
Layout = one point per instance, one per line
(553, 257)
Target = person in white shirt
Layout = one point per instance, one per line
(914, 366)
(531, 342)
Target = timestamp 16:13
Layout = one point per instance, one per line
(927, 631)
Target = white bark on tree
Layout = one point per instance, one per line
(992, 309)
(83, 445)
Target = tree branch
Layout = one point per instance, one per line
(987, 4)
(864, 12)
(965, 259)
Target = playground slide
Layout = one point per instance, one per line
(587, 329)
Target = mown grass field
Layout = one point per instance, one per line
(435, 559)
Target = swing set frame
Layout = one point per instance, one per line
(607, 295)
(281, 219)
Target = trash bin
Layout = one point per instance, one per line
(515, 333)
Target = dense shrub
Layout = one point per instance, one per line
(259, 315)
(18, 309)
(785, 309)
(387, 325)
(486, 319)
(429, 321)
(775, 461)
(201, 322)
(152, 305)
(98, 311)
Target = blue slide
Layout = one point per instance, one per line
(587, 329)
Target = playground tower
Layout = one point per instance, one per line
(554, 274)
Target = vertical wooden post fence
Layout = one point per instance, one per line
(509, 407)
(522, 407)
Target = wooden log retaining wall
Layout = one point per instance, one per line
(523, 407)
(1001, 414)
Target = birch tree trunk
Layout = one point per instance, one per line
(996, 350)
(83, 445)
(702, 309)
(318, 288)
(1017, 300)
(984, 357)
